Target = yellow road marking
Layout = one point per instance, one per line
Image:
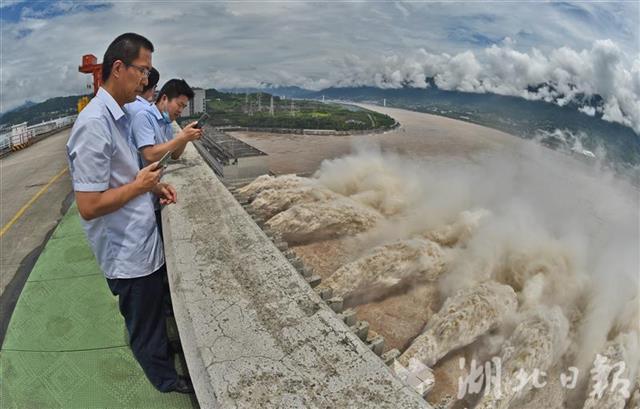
(30, 202)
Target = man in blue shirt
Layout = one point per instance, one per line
(146, 97)
(151, 127)
(152, 130)
(115, 201)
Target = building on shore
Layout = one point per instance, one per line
(196, 105)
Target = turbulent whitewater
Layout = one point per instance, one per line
(520, 256)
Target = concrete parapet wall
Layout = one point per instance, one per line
(255, 335)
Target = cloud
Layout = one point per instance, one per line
(561, 76)
(222, 44)
(398, 5)
(586, 109)
(10, 3)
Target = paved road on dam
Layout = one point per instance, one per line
(34, 184)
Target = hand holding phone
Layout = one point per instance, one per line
(164, 161)
(201, 121)
(147, 178)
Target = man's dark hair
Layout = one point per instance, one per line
(126, 48)
(174, 88)
(154, 77)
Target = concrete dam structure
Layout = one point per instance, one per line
(484, 258)
(254, 332)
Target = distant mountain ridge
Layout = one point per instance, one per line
(26, 104)
(34, 113)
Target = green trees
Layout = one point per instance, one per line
(255, 110)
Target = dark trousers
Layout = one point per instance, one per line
(142, 304)
(168, 306)
(159, 223)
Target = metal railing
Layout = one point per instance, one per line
(21, 137)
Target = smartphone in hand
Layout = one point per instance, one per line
(202, 121)
(164, 161)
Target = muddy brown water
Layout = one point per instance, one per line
(401, 316)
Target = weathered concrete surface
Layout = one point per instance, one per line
(254, 334)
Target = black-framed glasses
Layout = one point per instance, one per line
(144, 71)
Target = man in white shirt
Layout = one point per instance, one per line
(115, 200)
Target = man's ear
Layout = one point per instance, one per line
(116, 68)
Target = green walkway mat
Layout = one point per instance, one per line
(69, 225)
(65, 257)
(66, 343)
(65, 315)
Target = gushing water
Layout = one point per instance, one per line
(537, 342)
(265, 182)
(533, 256)
(272, 201)
(388, 265)
(307, 222)
(464, 317)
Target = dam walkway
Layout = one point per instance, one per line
(66, 344)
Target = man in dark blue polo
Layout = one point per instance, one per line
(115, 200)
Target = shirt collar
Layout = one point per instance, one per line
(113, 107)
(139, 98)
(156, 111)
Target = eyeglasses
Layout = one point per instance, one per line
(144, 71)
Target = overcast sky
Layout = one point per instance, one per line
(501, 47)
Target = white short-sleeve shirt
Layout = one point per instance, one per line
(126, 242)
